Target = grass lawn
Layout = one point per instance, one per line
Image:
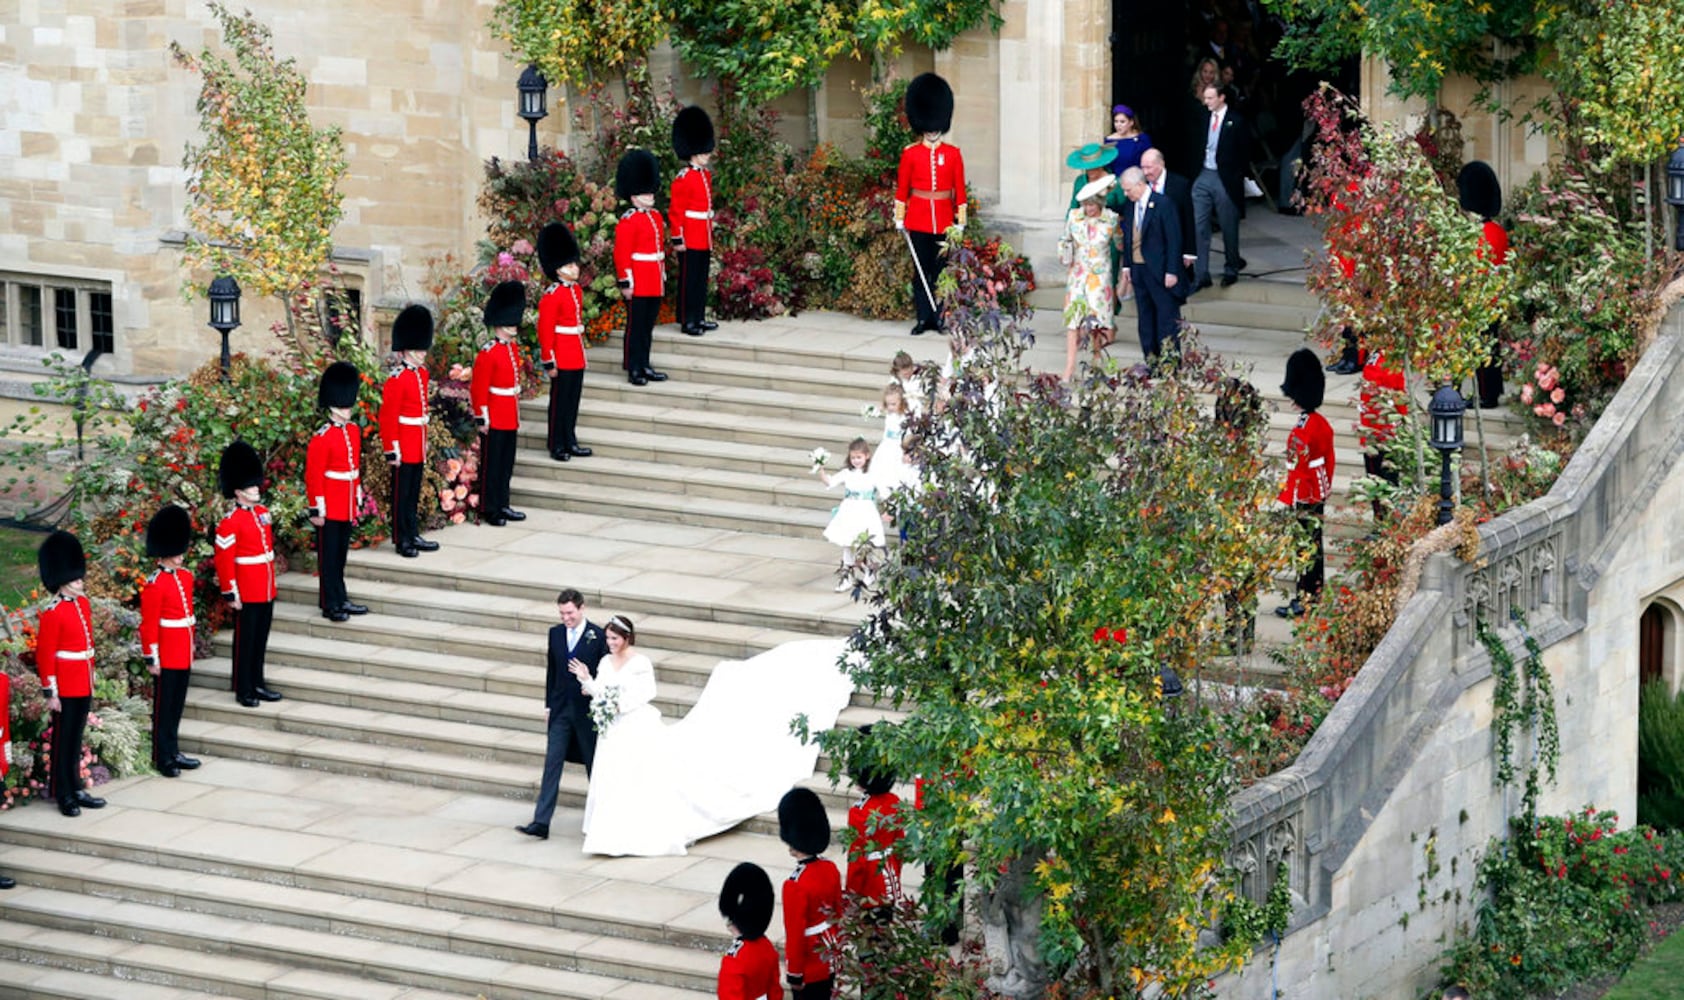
(17, 565)
(1658, 975)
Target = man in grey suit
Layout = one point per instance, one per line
(1219, 188)
(1152, 251)
(566, 707)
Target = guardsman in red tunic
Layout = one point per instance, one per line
(640, 260)
(494, 395)
(403, 426)
(812, 895)
(245, 569)
(1381, 401)
(166, 634)
(1310, 447)
(1479, 193)
(691, 212)
(929, 189)
(64, 660)
(561, 338)
(749, 971)
(6, 762)
(873, 864)
(333, 487)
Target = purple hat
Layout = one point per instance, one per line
(1122, 109)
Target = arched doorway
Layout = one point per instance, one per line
(1660, 719)
(1656, 637)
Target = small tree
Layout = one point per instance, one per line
(263, 186)
(579, 42)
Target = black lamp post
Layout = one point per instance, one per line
(534, 95)
(1675, 192)
(224, 312)
(1447, 407)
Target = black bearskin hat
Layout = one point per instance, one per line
(692, 133)
(240, 467)
(802, 823)
(929, 104)
(1478, 190)
(866, 766)
(638, 173)
(338, 386)
(1305, 384)
(507, 305)
(168, 533)
(557, 248)
(60, 560)
(746, 900)
(413, 329)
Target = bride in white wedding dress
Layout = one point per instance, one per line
(655, 789)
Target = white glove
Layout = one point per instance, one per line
(900, 225)
(8, 745)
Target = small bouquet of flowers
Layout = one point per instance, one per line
(819, 458)
(605, 708)
(871, 411)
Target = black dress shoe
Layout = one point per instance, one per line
(918, 329)
(636, 378)
(654, 376)
(246, 702)
(420, 544)
(510, 514)
(1203, 285)
(1229, 279)
(707, 325)
(87, 801)
(580, 451)
(7, 883)
(336, 615)
(535, 829)
(692, 331)
(70, 809)
(352, 608)
(1239, 264)
(1293, 610)
(267, 694)
(407, 552)
(1345, 366)
(560, 454)
(185, 762)
(493, 520)
(170, 771)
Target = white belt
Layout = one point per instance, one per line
(187, 622)
(267, 557)
(1318, 463)
(690, 214)
(513, 390)
(86, 654)
(573, 330)
(348, 477)
(413, 421)
(648, 256)
(819, 928)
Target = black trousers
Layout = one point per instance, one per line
(251, 642)
(641, 313)
(693, 286)
(1489, 377)
(814, 991)
(406, 500)
(497, 464)
(1348, 350)
(565, 389)
(65, 776)
(926, 258)
(333, 544)
(1310, 579)
(169, 698)
(565, 731)
(1158, 311)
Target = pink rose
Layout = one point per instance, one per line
(1546, 382)
(521, 247)
(1560, 419)
(461, 492)
(1559, 395)
(457, 518)
(1526, 394)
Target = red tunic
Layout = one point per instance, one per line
(245, 555)
(873, 866)
(812, 899)
(6, 728)
(64, 647)
(166, 619)
(495, 389)
(561, 328)
(403, 414)
(333, 472)
(749, 971)
(1381, 398)
(691, 210)
(1310, 446)
(640, 256)
(1494, 243)
(936, 170)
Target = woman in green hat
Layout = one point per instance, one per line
(1091, 163)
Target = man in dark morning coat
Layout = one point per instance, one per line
(1152, 251)
(566, 707)
(1219, 187)
(1179, 191)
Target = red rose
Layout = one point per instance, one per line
(1120, 636)
(1101, 634)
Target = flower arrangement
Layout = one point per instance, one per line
(605, 708)
(1547, 396)
(819, 458)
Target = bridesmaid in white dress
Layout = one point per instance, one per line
(888, 462)
(857, 515)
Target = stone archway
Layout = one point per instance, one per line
(1657, 644)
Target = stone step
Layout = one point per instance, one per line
(741, 401)
(248, 953)
(37, 980)
(791, 371)
(675, 508)
(864, 346)
(667, 449)
(591, 479)
(681, 423)
(1283, 317)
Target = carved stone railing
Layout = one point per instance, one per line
(1542, 559)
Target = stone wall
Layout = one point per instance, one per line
(1383, 818)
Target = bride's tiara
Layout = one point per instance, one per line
(621, 622)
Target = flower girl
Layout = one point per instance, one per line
(857, 515)
(888, 466)
(905, 373)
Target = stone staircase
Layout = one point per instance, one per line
(355, 840)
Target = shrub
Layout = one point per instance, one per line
(1660, 757)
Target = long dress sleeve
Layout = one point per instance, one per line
(637, 687)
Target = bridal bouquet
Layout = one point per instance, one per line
(819, 458)
(605, 708)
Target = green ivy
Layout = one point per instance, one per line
(1524, 698)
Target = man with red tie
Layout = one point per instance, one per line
(403, 426)
(64, 660)
(929, 190)
(7, 882)
(1310, 447)
(333, 487)
(749, 971)
(640, 260)
(691, 212)
(812, 895)
(561, 338)
(245, 569)
(166, 634)
(494, 395)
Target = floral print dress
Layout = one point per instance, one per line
(1085, 248)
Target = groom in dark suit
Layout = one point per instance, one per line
(566, 707)
(1152, 251)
